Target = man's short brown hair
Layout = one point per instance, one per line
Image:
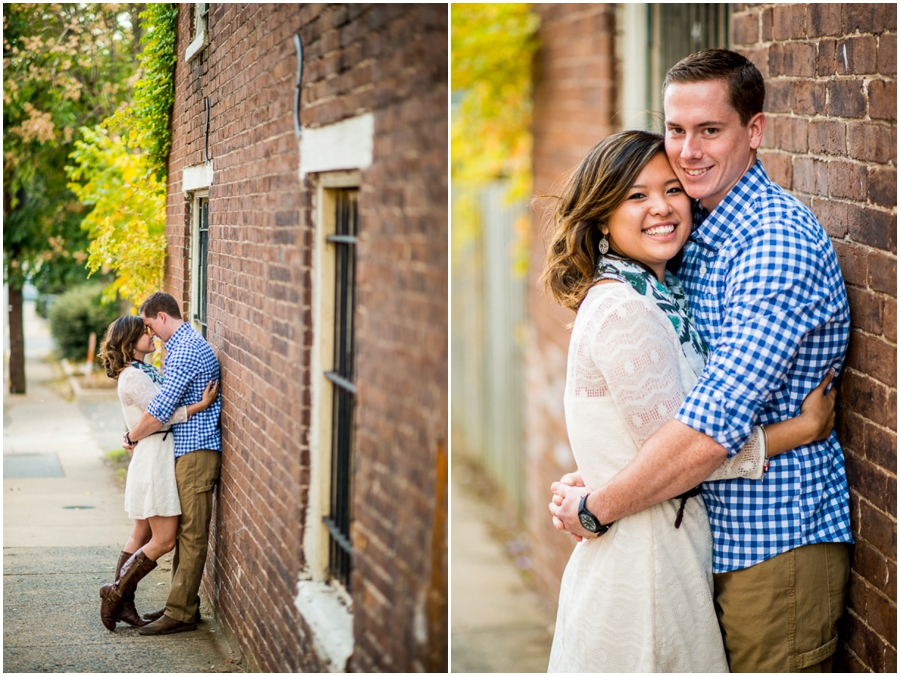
(746, 88)
(160, 302)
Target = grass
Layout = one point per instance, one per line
(118, 459)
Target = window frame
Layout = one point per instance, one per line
(317, 538)
(201, 31)
(199, 198)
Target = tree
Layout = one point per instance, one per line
(66, 66)
(122, 175)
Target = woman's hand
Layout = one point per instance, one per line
(209, 394)
(817, 409)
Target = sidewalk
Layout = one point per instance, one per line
(63, 529)
(497, 624)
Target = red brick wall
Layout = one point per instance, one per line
(389, 60)
(574, 98)
(831, 139)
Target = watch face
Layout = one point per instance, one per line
(588, 522)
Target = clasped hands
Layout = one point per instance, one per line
(567, 493)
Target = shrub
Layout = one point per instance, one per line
(75, 315)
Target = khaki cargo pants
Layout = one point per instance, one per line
(196, 474)
(780, 615)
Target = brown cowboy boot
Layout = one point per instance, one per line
(113, 595)
(129, 613)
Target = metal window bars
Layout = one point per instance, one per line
(202, 256)
(342, 378)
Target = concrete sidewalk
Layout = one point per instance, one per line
(497, 624)
(63, 528)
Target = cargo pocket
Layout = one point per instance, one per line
(813, 657)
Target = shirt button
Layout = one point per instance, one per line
(702, 269)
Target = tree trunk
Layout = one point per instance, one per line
(16, 342)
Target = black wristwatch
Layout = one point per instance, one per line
(589, 521)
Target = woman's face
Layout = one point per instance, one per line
(654, 221)
(145, 345)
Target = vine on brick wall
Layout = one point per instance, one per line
(146, 122)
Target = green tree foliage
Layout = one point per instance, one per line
(65, 66)
(75, 315)
(492, 47)
(128, 220)
(122, 174)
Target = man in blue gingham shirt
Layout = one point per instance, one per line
(766, 292)
(189, 367)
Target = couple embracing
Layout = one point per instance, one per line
(710, 503)
(173, 434)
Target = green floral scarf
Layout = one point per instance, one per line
(669, 297)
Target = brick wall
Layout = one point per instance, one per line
(574, 99)
(389, 60)
(831, 139)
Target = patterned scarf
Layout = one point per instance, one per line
(150, 370)
(670, 298)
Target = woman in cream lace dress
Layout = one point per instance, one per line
(639, 597)
(151, 494)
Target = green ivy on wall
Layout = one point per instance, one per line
(146, 123)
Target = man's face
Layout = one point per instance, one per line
(157, 325)
(707, 145)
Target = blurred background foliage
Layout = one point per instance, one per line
(87, 92)
(76, 314)
(65, 66)
(492, 50)
(120, 169)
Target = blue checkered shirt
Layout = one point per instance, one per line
(767, 295)
(190, 365)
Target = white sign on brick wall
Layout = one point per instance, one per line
(344, 145)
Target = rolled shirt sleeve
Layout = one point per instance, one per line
(773, 301)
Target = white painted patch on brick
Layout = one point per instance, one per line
(197, 177)
(346, 144)
(329, 619)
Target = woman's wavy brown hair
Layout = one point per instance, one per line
(117, 349)
(595, 190)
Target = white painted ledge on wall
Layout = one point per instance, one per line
(197, 177)
(343, 145)
(330, 620)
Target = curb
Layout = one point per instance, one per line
(73, 373)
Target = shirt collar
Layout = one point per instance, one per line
(179, 334)
(714, 228)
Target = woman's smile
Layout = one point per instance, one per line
(653, 222)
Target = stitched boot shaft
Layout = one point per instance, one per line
(129, 613)
(113, 595)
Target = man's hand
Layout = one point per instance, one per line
(127, 446)
(564, 505)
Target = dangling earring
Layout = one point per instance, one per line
(604, 245)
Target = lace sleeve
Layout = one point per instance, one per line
(747, 464)
(639, 363)
(637, 358)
